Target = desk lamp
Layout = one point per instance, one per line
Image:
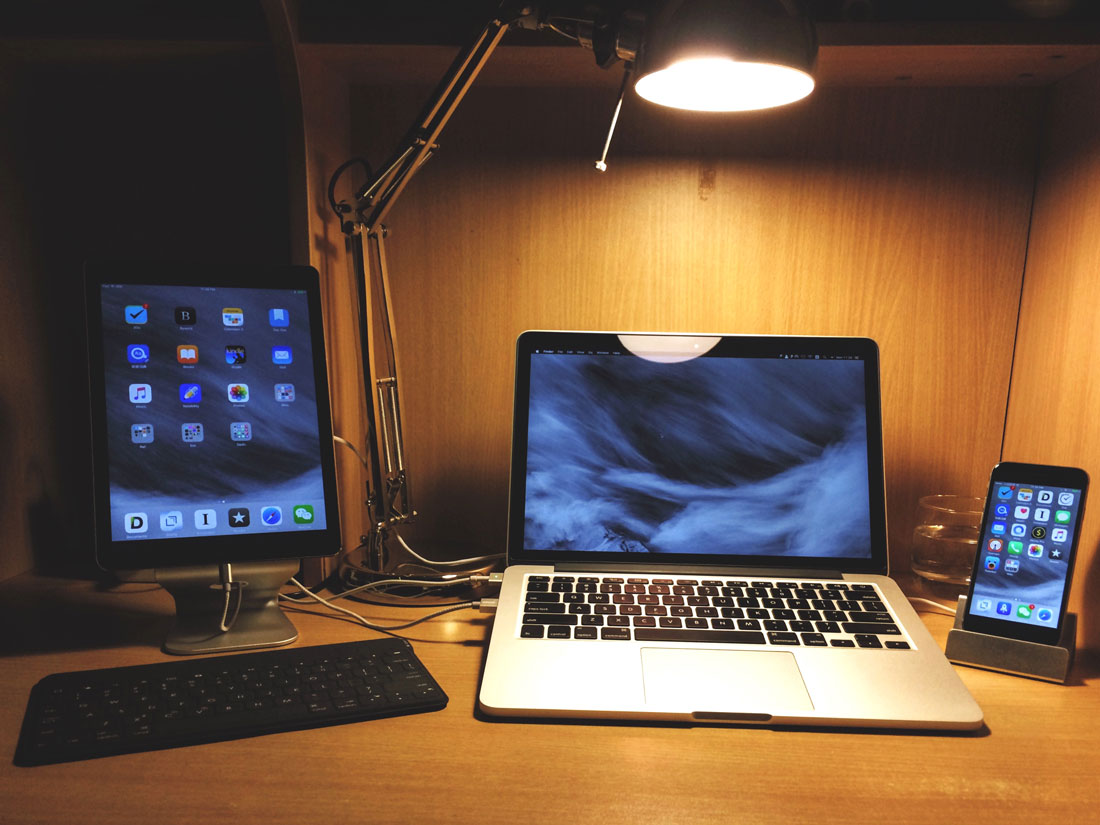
(707, 55)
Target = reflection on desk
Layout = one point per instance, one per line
(1035, 759)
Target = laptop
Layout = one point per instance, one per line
(697, 533)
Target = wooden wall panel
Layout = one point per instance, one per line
(1055, 398)
(898, 214)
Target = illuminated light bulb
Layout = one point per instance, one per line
(719, 84)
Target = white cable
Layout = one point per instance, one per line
(369, 624)
(943, 608)
(455, 563)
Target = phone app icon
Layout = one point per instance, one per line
(995, 545)
(1004, 609)
(192, 433)
(1042, 514)
(1059, 534)
(1045, 614)
(240, 431)
(185, 317)
(984, 605)
(1038, 532)
(233, 316)
(998, 528)
(282, 355)
(1065, 499)
(1035, 550)
(141, 433)
(238, 393)
(1054, 554)
(140, 393)
(206, 519)
(992, 563)
(136, 522)
(136, 314)
(271, 516)
(1004, 491)
(1025, 494)
(137, 354)
(303, 514)
(238, 517)
(1045, 497)
(235, 355)
(284, 393)
(1023, 611)
(1015, 548)
(1062, 516)
(1001, 511)
(190, 393)
(278, 317)
(172, 520)
(1022, 512)
(187, 354)
(1018, 530)
(1012, 566)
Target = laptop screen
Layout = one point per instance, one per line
(743, 450)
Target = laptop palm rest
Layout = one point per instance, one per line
(748, 685)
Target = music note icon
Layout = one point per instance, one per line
(140, 393)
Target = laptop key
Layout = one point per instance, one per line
(661, 634)
(549, 618)
(531, 631)
(620, 634)
(783, 638)
(558, 631)
(856, 628)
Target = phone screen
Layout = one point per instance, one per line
(1025, 552)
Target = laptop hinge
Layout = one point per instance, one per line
(697, 569)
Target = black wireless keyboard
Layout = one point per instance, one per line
(93, 713)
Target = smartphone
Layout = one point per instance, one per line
(1026, 548)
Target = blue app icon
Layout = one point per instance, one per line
(137, 354)
(190, 393)
(998, 528)
(1019, 530)
(278, 317)
(992, 563)
(1001, 511)
(137, 314)
(1004, 609)
(1045, 615)
(1004, 491)
(271, 516)
(282, 355)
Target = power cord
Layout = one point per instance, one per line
(485, 605)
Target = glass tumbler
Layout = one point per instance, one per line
(946, 538)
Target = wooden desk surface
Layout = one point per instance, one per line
(1035, 762)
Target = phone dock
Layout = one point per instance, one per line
(1051, 663)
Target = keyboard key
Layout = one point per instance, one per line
(617, 633)
(868, 641)
(559, 632)
(870, 627)
(659, 634)
(585, 633)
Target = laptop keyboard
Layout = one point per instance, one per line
(723, 611)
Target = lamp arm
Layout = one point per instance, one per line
(388, 499)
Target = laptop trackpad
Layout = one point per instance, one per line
(727, 682)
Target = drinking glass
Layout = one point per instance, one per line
(946, 538)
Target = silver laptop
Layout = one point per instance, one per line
(697, 533)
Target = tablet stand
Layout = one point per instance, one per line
(1050, 663)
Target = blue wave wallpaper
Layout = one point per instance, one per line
(737, 456)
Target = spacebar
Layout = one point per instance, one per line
(728, 637)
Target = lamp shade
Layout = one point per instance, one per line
(727, 55)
